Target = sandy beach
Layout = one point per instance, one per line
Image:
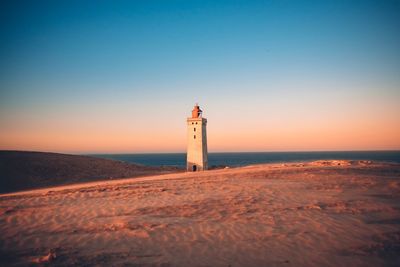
(324, 213)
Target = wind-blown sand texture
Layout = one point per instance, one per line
(325, 213)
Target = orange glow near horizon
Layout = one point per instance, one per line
(237, 134)
(300, 119)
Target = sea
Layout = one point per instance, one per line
(235, 159)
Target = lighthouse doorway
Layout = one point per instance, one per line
(194, 168)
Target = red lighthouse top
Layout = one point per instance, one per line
(196, 112)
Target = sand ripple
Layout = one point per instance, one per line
(326, 213)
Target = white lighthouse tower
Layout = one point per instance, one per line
(197, 158)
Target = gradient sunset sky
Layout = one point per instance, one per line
(122, 76)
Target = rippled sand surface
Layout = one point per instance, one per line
(324, 213)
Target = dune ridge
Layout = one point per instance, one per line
(22, 170)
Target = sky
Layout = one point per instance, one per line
(123, 76)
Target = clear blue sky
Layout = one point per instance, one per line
(132, 70)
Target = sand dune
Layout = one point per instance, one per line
(324, 213)
(22, 170)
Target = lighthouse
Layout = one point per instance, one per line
(197, 158)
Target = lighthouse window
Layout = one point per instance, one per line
(194, 129)
(194, 137)
(192, 123)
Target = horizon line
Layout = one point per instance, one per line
(213, 152)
